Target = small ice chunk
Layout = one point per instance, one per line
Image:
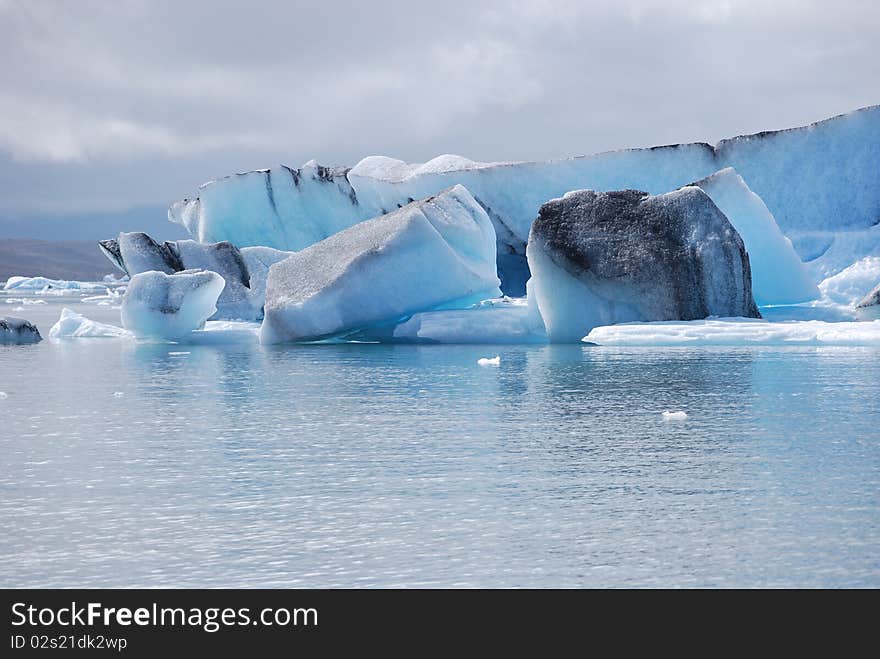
(3, 395)
(170, 306)
(118, 394)
(490, 361)
(675, 416)
(72, 325)
(18, 330)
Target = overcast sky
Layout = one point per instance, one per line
(110, 105)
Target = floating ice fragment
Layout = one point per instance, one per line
(177, 354)
(675, 416)
(18, 330)
(170, 306)
(118, 394)
(3, 395)
(72, 325)
(43, 285)
(490, 361)
(737, 331)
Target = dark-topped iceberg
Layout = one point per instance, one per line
(18, 330)
(599, 258)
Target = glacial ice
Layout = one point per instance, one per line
(674, 416)
(849, 286)
(72, 325)
(778, 275)
(216, 332)
(826, 253)
(505, 321)
(818, 181)
(489, 361)
(244, 271)
(610, 257)
(258, 261)
(868, 307)
(435, 253)
(170, 306)
(43, 284)
(18, 330)
(817, 177)
(237, 301)
(110, 297)
(839, 296)
(135, 252)
(736, 332)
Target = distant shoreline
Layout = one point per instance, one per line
(56, 259)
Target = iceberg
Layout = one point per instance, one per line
(778, 274)
(244, 271)
(738, 332)
(170, 306)
(819, 182)
(609, 257)
(44, 284)
(18, 330)
(435, 253)
(72, 325)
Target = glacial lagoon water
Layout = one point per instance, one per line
(131, 464)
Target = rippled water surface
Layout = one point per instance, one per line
(131, 464)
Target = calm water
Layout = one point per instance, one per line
(127, 465)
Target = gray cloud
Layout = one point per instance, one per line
(109, 105)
